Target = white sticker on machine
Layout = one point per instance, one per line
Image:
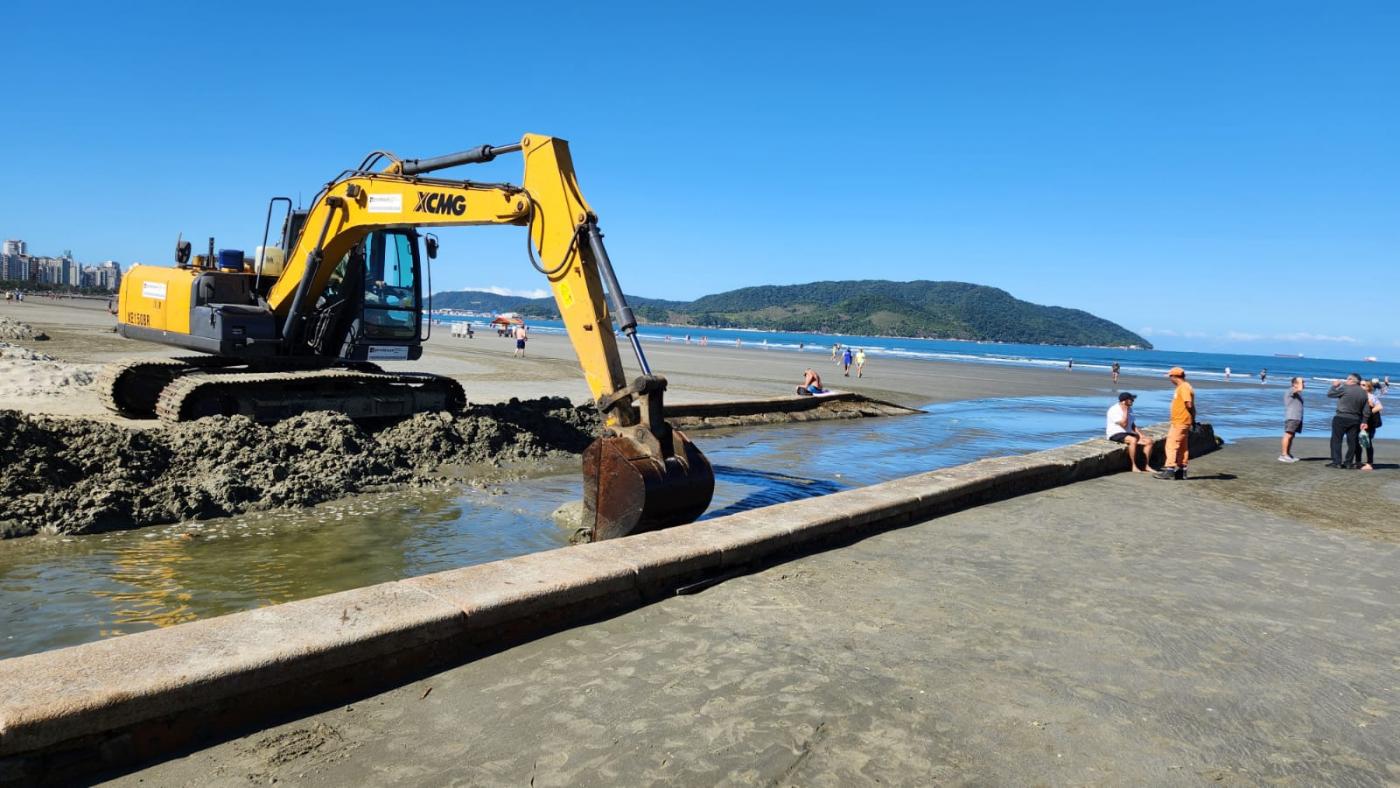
(154, 290)
(380, 352)
(385, 203)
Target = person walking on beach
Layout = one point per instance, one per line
(1070, 365)
(835, 353)
(1263, 376)
(1122, 428)
(1115, 373)
(1227, 374)
(1292, 418)
(1368, 438)
(1179, 431)
(846, 359)
(521, 334)
(860, 363)
(1353, 413)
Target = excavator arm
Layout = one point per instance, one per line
(641, 474)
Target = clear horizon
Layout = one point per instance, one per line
(1212, 178)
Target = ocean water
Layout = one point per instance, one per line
(1209, 366)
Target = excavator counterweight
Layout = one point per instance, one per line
(303, 325)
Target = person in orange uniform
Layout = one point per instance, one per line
(1179, 433)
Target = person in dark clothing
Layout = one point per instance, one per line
(1353, 412)
(1373, 424)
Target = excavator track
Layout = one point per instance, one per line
(272, 396)
(132, 386)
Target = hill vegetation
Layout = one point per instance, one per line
(942, 310)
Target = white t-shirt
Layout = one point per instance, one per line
(1115, 415)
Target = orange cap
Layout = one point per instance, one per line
(1176, 372)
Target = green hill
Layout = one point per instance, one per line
(544, 308)
(944, 310)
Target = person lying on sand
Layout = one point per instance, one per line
(811, 383)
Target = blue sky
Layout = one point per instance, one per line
(1213, 175)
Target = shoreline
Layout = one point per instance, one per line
(81, 334)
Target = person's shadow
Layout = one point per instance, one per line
(1380, 466)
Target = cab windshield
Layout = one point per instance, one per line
(391, 292)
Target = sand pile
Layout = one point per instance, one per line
(26, 374)
(13, 329)
(76, 476)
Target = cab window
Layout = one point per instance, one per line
(391, 293)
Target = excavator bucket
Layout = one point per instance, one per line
(630, 487)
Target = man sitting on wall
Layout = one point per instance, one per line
(1122, 428)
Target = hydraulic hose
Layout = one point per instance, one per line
(478, 155)
(626, 319)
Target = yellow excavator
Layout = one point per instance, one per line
(301, 325)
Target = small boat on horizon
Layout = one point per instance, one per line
(1371, 359)
(1288, 355)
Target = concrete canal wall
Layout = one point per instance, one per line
(77, 711)
(776, 410)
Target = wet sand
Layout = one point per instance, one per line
(81, 334)
(1120, 631)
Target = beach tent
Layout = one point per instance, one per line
(507, 319)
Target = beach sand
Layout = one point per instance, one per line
(1203, 633)
(81, 335)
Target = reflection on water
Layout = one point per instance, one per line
(61, 591)
(58, 591)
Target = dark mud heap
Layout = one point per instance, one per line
(74, 476)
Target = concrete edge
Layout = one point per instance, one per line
(110, 703)
(732, 413)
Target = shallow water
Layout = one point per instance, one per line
(60, 591)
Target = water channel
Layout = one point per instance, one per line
(60, 591)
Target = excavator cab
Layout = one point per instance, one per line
(371, 306)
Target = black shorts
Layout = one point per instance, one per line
(520, 344)
(1292, 426)
(1120, 437)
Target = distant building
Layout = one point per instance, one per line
(17, 266)
(109, 275)
(14, 267)
(48, 270)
